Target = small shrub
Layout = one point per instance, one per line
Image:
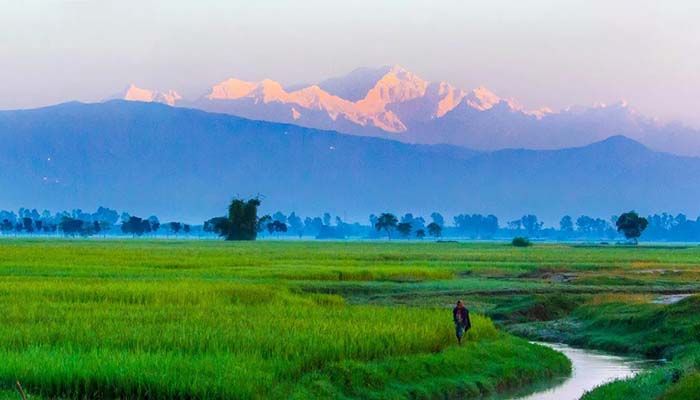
(521, 242)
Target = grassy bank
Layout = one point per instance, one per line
(633, 324)
(166, 319)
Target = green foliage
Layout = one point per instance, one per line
(242, 219)
(386, 222)
(404, 228)
(631, 225)
(521, 242)
(434, 229)
(688, 388)
(645, 386)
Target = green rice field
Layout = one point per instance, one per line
(165, 319)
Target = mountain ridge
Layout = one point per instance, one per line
(393, 102)
(186, 164)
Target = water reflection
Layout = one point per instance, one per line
(589, 369)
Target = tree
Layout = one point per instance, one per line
(186, 228)
(386, 222)
(263, 222)
(136, 226)
(243, 219)
(489, 226)
(6, 226)
(477, 225)
(435, 229)
(420, 234)
(416, 222)
(106, 215)
(296, 224)
(276, 227)
(217, 225)
(438, 218)
(96, 228)
(631, 225)
(279, 216)
(313, 226)
(404, 228)
(175, 227)
(515, 225)
(70, 226)
(531, 224)
(28, 225)
(154, 223)
(566, 224)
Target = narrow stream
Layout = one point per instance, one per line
(589, 369)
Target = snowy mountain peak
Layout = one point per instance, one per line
(135, 93)
(393, 100)
(482, 98)
(396, 86)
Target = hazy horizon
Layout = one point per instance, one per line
(542, 53)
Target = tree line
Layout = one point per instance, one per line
(243, 223)
(106, 221)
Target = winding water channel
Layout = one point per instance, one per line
(590, 369)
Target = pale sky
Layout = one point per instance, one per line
(552, 53)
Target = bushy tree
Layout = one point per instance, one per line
(477, 225)
(566, 224)
(435, 229)
(438, 218)
(6, 226)
(71, 226)
(520, 242)
(154, 223)
(313, 226)
(136, 226)
(263, 223)
(217, 225)
(243, 219)
(404, 228)
(175, 227)
(386, 222)
(28, 224)
(631, 225)
(276, 226)
(296, 224)
(531, 224)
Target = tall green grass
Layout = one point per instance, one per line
(214, 320)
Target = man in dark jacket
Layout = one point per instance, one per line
(460, 315)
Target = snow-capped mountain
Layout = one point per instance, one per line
(393, 102)
(135, 93)
(191, 161)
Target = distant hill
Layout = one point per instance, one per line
(392, 102)
(186, 164)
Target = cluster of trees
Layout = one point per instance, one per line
(675, 228)
(409, 226)
(79, 223)
(243, 223)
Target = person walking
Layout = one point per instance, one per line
(460, 315)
